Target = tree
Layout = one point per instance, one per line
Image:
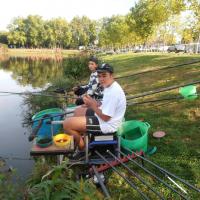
(195, 7)
(83, 31)
(147, 15)
(34, 30)
(17, 35)
(4, 37)
(57, 33)
(115, 32)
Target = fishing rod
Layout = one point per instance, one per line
(164, 170)
(36, 94)
(161, 90)
(135, 174)
(158, 100)
(125, 178)
(153, 175)
(155, 70)
(13, 158)
(154, 101)
(103, 187)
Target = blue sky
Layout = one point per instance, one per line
(67, 9)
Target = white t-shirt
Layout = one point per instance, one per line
(113, 105)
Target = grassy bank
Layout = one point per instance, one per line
(179, 151)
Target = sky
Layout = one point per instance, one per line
(94, 9)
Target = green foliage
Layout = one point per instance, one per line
(83, 31)
(33, 31)
(57, 33)
(58, 184)
(137, 27)
(3, 37)
(8, 190)
(76, 67)
(115, 32)
(146, 15)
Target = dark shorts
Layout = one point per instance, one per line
(89, 112)
(92, 122)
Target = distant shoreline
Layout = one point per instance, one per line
(37, 51)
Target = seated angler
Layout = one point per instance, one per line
(93, 87)
(105, 118)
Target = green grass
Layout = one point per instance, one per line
(179, 151)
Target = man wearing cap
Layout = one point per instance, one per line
(93, 87)
(105, 118)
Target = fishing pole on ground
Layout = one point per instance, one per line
(136, 175)
(124, 177)
(164, 68)
(162, 170)
(153, 175)
(103, 187)
(154, 101)
(161, 90)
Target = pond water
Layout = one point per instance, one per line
(20, 75)
(13, 141)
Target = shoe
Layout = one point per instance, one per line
(78, 155)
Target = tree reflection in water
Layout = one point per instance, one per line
(49, 73)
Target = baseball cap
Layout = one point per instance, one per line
(105, 68)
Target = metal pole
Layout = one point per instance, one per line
(160, 90)
(165, 171)
(154, 100)
(128, 181)
(176, 184)
(169, 67)
(136, 175)
(159, 179)
(103, 187)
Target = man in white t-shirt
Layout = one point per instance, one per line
(105, 118)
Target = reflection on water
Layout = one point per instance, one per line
(36, 72)
(13, 142)
(28, 74)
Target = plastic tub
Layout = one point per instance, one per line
(43, 141)
(61, 140)
(50, 114)
(189, 92)
(134, 135)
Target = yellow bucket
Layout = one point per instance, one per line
(62, 140)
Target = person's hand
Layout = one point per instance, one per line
(75, 89)
(89, 101)
(99, 103)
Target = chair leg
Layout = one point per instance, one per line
(119, 147)
(86, 149)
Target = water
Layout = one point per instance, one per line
(13, 142)
(23, 74)
(19, 75)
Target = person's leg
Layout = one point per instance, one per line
(75, 126)
(81, 111)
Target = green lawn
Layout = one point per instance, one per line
(179, 151)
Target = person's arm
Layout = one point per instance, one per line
(92, 86)
(95, 107)
(100, 114)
